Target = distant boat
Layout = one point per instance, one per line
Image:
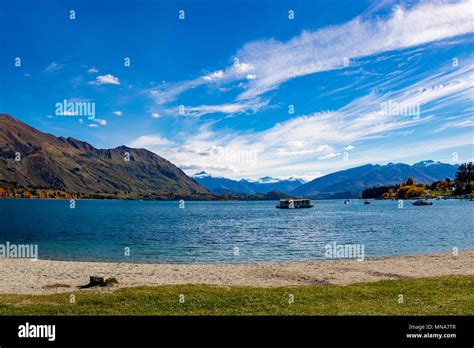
(347, 201)
(294, 203)
(366, 202)
(421, 202)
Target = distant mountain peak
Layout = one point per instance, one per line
(300, 180)
(427, 163)
(200, 175)
(268, 180)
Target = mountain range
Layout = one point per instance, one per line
(219, 185)
(46, 161)
(33, 159)
(349, 183)
(342, 184)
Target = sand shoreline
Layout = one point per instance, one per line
(23, 276)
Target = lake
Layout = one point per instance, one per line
(211, 232)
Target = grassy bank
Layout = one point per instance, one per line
(448, 295)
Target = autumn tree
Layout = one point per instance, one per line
(465, 173)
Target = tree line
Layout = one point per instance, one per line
(460, 186)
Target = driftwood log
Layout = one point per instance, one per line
(94, 281)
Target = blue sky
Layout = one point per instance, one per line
(239, 89)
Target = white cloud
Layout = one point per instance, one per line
(455, 124)
(349, 148)
(296, 143)
(53, 67)
(100, 122)
(231, 108)
(149, 141)
(106, 80)
(92, 70)
(244, 67)
(214, 76)
(118, 113)
(92, 125)
(324, 148)
(282, 153)
(155, 115)
(66, 113)
(329, 155)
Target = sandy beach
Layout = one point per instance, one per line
(23, 276)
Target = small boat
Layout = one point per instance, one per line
(294, 203)
(421, 202)
(347, 201)
(366, 202)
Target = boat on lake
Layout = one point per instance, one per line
(294, 203)
(422, 202)
(347, 201)
(366, 202)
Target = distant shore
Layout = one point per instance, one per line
(61, 195)
(23, 276)
(234, 199)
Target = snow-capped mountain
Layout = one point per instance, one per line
(263, 185)
(350, 182)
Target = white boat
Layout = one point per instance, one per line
(294, 203)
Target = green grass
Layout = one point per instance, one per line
(448, 295)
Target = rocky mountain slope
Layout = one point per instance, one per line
(46, 161)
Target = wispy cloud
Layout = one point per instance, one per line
(264, 65)
(457, 124)
(300, 144)
(100, 121)
(232, 108)
(150, 141)
(53, 67)
(276, 62)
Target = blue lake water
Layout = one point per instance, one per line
(99, 230)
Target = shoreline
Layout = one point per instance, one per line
(221, 198)
(23, 276)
